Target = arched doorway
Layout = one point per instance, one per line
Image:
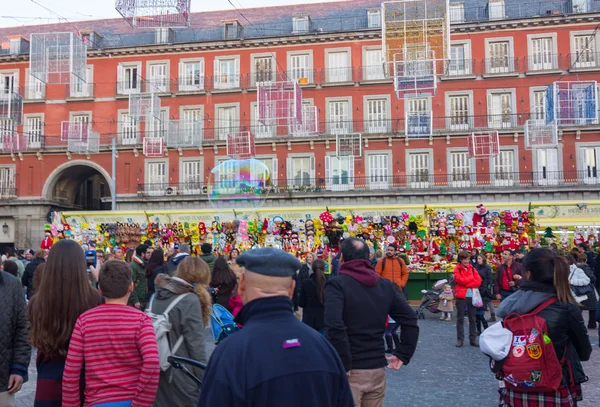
(79, 185)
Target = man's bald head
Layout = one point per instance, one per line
(354, 249)
(253, 286)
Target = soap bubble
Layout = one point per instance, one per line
(239, 184)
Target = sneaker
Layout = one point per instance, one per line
(449, 319)
(592, 325)
(459, 344)
(492, 319)
(442, 318)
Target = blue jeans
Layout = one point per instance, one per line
(392, 329)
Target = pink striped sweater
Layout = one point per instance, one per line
(116, 347)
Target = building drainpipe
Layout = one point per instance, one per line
(114, 174)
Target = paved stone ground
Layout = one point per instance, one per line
(439, 374)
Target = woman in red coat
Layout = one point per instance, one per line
(466, 278)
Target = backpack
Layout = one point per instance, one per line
(162, 327)
(222, 323)
(531, 364)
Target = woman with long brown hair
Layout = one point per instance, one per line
(224, 280)
(549, 278)
(186, 293)
(311, 297)
(64, 293)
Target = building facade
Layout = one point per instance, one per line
(504, 55)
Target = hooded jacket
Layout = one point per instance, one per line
(210, 260)
(357, 304)
(174, 387)
(565, 324)
(465, 277)
(174, 262)
(140, 282)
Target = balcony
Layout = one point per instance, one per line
(337, 76)
(374, 73)
(191, 84)
(127, 88)
(256, 78)
(585, 61)
(158, 85)
(303, 76)
(227, 83)
(460, 68)
(503, 66)
(420, 180)
(543, 63)
(8, 192)
(34, 93)
(79, 91)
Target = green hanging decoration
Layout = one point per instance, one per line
(488, 247)
(548, 233)
(407, 245)
(443, 249)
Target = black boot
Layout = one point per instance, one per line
(478, 322)
(492, 318)
(389, 344)
(396, 339)
(484, 323)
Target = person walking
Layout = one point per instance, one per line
(15, 350)
(466, 278)
(139, 296)
(64, 294)
(508, 275)
(357, 305)
(487, 286)
(188, 302)
(27, 280)
(590, 303)
(312, 298)
(549, 278)
(113, 354)
(393, 268)
(156, 265)
(304, 274)
(241, 371)
(11, 255)
(224, 281)
(207, 255)
(184, 251)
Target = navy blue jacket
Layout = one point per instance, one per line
(274, 360)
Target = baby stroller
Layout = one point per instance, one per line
(179, 363)
(431, 299)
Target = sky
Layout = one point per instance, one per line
(32, 12)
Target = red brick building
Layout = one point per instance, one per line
(504, 55)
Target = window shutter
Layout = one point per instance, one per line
(289, 170)
(274, 172)
(327, 170)
(312, 167)
(217, 72)
(351, 171)
(236, 80)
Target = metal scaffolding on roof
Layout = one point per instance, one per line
(57, 58)
(155, 13)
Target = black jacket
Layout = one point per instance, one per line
(565, 324)
(313, 312)
(27, 279)
(486, 289)
(590, 303)
(302, 276)
(162, 269)
(15, 351)
(174, 262)
(357, 304)
(275, 360)
(516, 268)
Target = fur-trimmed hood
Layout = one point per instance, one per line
(167, 286)
(578, 277)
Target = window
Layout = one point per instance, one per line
(542, 57)
(158, 78)
(585, 55)
(459, 112)
(9, 83)
(418, 117)
(460, 64)
(374, 18)
(376, 116)
(496, 9)
(129, 77)
(83, 118)
(158, 126)
(538, 105)
(232, 30)
(499, 60)
(378, 165)
(227, 121)
(339, 173)
(580, 6)
(83, 88)
(156, 177)
(590, 164)
(7, 181)
(15, 46)
(191, 75)
(504, 168)
(227, 73)
(129, 129)
(162, 35)
(460, 169)
(418, 170)
(547, 170)
(8, 127)
(457, 12)
(263, 69)
(373, 68)
(500, 112)
(36, 89)
(338, 67)
(300, 67)
(301, 25)
(272, 165)
(33, 130)
(258, 129)
(300, 171)
(191, 177)
(191, 126)
(338, 117)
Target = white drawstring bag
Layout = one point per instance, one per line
(496, 341)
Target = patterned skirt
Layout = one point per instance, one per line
(563, 397)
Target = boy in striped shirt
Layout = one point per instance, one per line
(115, 348)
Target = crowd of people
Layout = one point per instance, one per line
(98, 342)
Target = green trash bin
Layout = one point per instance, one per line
(416, 283)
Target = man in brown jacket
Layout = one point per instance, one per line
(392, 267)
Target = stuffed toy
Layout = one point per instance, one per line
(479, 218)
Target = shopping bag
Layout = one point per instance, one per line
(477, 301)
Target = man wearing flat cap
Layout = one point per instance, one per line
(275, 359)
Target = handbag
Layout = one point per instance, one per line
(477, 300)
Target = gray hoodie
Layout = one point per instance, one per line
(522, 302)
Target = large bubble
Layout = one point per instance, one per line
(239, 184)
